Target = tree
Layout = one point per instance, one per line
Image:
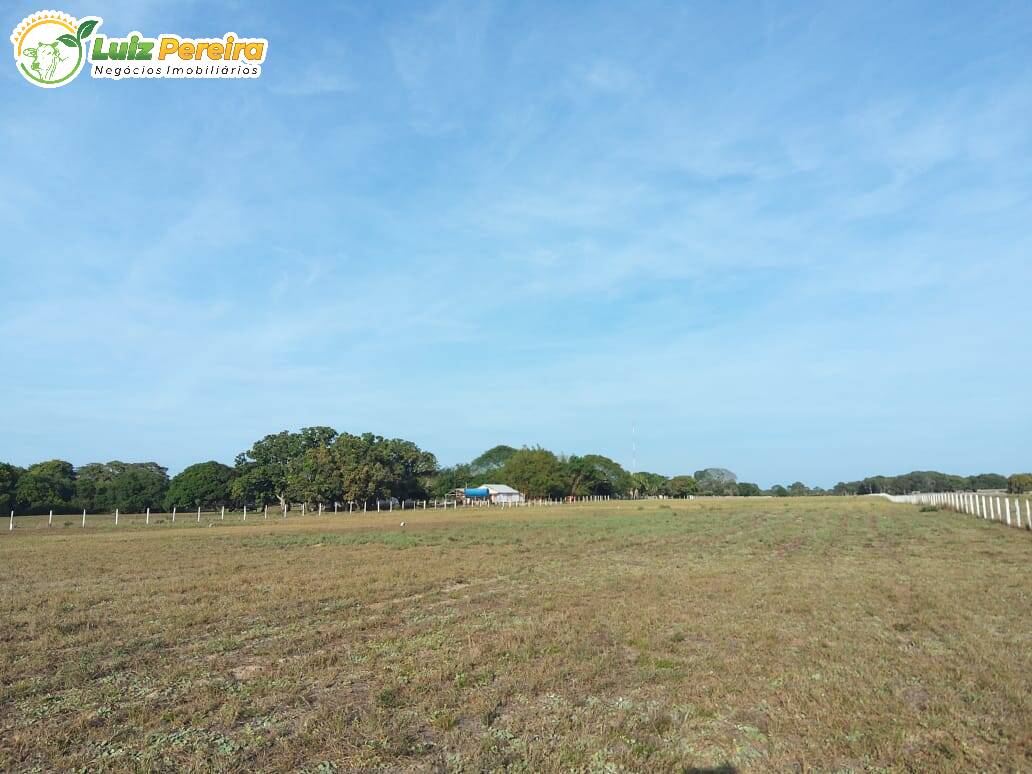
(594, 474)
(680, 486)
(371, 467)
(779, 491)
(647, 484)
(987, 481)
(101, 487)
(748, 490)
(265, 470)
(206, 484)
(537, 473)
(9, 475)
(492, 460)
(447, 480)
(842, 488)
(315, 477)
(798, 489)
(716, 481)
(46, 486)
(1020, 483)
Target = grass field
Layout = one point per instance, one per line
(825, 634)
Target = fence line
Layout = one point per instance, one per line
(991, 507)
(382, 506)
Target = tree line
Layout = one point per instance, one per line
(320, 465)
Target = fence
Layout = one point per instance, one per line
(199, 516)
(991, 507)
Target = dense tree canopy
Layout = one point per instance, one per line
(46, 486)
(128, 486)
(716, 481)
(920, 481)
(9, 475)
(455, 477)
(537, 473)
(1020, 483)
(645, 484)
(269, 470)
(492, 460)
(596, 475)
(681, 486)
(205, 485)
(319, 465)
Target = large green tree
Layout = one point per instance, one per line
(987, 481)
(268, 470)
(447, 480)
(9, 475)
(537, 473)
(745, 489)
(492, 460)
(205, 484)
(1019, 483)
(680, 486)
(716, 481)
(46, 486)
(645, 484)
(594, 474)
(371, 467)
(100, 487)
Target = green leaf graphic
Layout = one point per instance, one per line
(68, 40)
(85, 28)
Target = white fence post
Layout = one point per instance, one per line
(148, 516)
(266, 510)
(50, 518)
(84, 517)
(116, 517)
(198, 514)
(173, 514)
(223, 513)
(11, 528)
(245, 513)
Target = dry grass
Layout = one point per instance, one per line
(804, 634)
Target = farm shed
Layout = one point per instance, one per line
(500, 493)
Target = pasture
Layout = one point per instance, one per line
(825, 634)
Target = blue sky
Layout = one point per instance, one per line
(788, 239)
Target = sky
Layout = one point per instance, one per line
(789, 239)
